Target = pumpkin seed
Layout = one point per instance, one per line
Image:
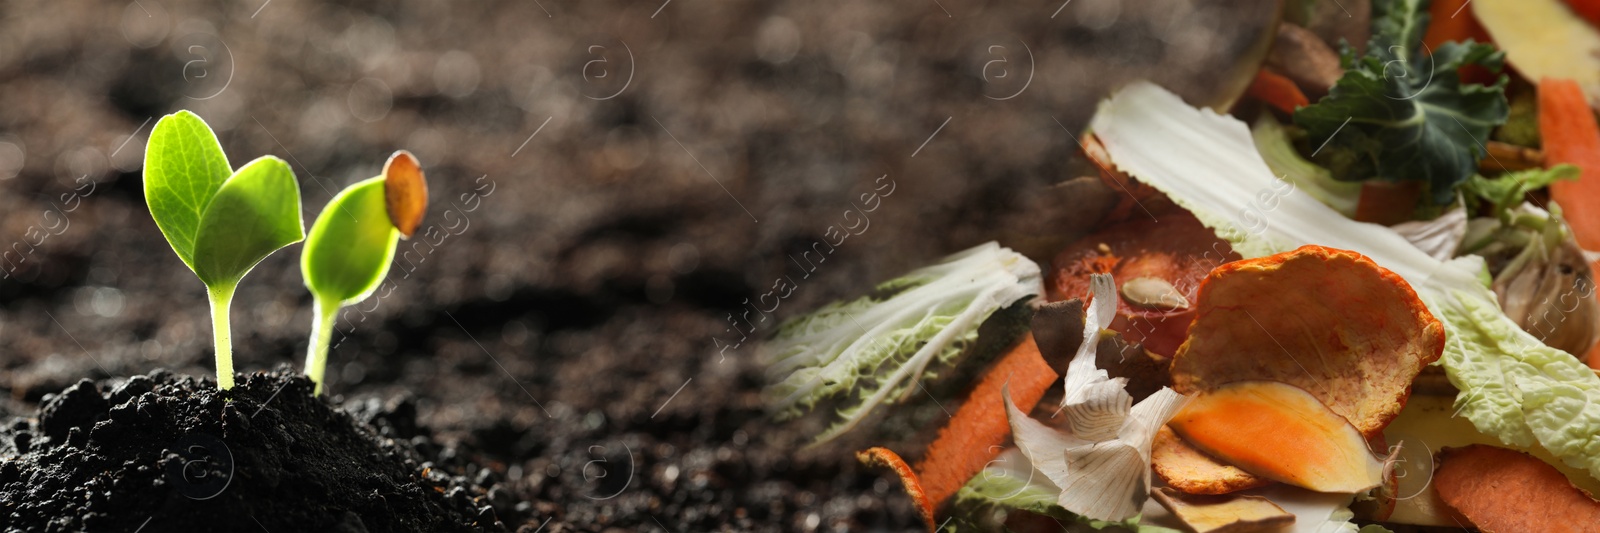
(1153, 293)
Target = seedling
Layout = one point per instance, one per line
(352, 244)
(221, 222)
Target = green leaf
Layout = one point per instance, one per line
(1401, 113)
(1506, 192)
(183, 168)
(254, 213)
(351, 244)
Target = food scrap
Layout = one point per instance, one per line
(1281, 432)
(1332, 322)
(1493, 487)
(1224, 514)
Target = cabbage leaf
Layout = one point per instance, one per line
(873, 350)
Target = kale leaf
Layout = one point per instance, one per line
(1401, 113)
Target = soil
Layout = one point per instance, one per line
(162, 452)
(561, 342)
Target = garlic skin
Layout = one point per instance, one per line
(1551, 295)
(1546, 285)
(1100, 457)
(1440, 237)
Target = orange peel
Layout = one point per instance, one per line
(1332, 322)
(1280, 432)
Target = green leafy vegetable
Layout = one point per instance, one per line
(349, 251)
(1272, 139)
(1513, 386)
(220, 222)
(875, 349)
(1504, 193)
(1402, 113)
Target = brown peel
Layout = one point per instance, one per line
(1280, 432)
(1187, 469)
(405, 192)
(1224, 514)
(1502, 490)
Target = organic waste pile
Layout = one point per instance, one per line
(1371, 310)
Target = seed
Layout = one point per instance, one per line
(1153, 293)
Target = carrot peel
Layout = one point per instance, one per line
(976, 432)
(1493, 487)
(1571, 136)
(1277, 91)
(979, 427)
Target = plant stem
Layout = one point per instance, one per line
(321, 334)
(221, 301)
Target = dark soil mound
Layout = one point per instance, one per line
(163, 452)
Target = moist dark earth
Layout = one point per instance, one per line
(612, 183)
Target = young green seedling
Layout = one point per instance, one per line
(220, 221)
(352, 243)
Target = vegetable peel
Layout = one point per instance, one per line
(1281, 432)
(1101, 460)
(978, 428)
(881, 457)
(1328, 321)
(1224, 514)
(1183, 467)
(1493, 487)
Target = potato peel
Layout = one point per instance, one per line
(1224, 514)
(1328, 321)
(1504, 490)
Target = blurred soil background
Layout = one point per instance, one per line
(563, 332)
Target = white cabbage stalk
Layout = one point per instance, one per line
(1512, 385)
(876, 350)
(1101, 460)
